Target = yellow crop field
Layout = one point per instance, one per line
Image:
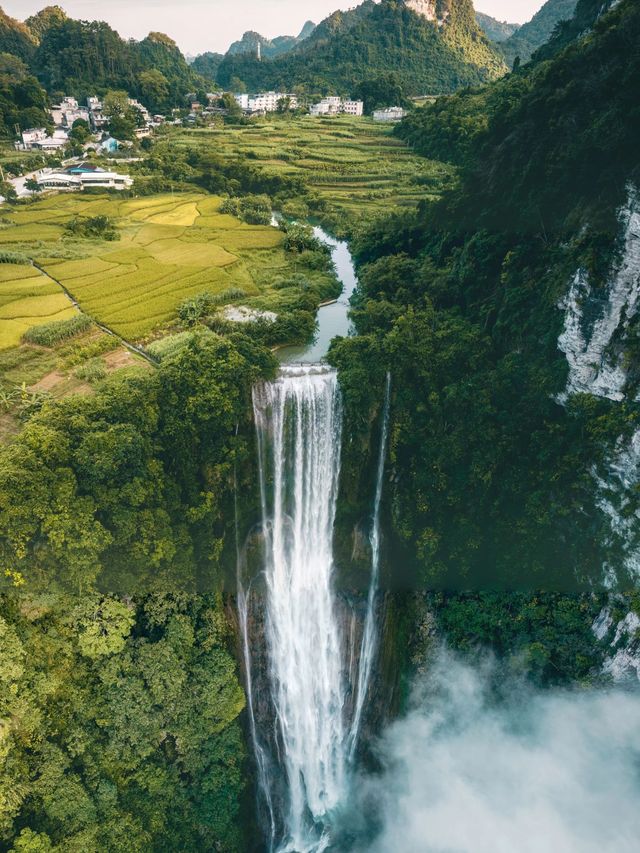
(171, 247)
(184, 253)
(184, 214)
(28, 298)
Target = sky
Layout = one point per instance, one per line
(201, 25)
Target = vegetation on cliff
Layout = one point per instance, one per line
(493, 481)
(120, 698)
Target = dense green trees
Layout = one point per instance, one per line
(120, 728)
(120, 709)
(493, 480)
(124, 488)
(23, 101)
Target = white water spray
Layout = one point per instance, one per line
(299, 426)
(369, 646)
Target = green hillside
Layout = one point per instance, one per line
(376, 39)
(538, 30)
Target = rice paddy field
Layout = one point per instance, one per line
(357, 166)
(28, 298)
(171, 247)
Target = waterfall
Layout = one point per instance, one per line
(299, 426)
(369, 644)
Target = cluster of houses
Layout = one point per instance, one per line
(68, 111)
(270, 102)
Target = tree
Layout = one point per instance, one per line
(32, 185)
(383, 91)
(8, 192)
(154, 88)
(80, 131)
(237, 85)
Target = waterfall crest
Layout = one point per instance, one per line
(299, 427)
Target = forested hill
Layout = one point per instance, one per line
(504, 448)
(16, 38)
(538, 30)
(376, 39)
(82, 58)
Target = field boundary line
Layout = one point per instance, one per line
(106, 329)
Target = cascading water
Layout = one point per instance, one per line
(369, 644)
(299, 426)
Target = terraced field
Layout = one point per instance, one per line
(171, 248)
(356, 165)
(28, 298)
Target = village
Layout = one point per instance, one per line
(81, 132)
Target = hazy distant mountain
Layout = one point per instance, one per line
(429, 46)
(495, 30)
(269, 48)
(538, 30)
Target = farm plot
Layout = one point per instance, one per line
(171, 248)
(28, 298)
(357, 167)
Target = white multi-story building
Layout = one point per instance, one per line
(29, 137)
(353, 108)
(268, 102)
(37, 140)
(67, 112)
(390, 114)
(333, 106)
(265, 102)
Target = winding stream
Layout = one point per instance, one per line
(333, 319)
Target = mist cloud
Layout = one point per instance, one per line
(547, 773)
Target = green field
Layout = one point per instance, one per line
(356, 166)
(171, 247)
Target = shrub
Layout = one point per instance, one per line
(50, 334)
(7, 257)
(194, 309)
(92, 371)
(101, 227)
(77, 353)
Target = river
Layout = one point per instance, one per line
(333, 319)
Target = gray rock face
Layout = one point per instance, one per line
(594, 321)
(595, 331)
